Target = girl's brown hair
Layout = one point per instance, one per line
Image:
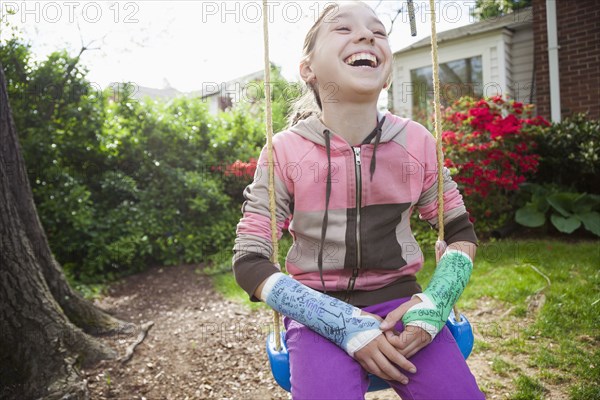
(309, 103)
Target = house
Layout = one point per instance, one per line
(487, 58)
(222, 95)
(131, 89)
(547, 54)
(218, 95)
(166, 93)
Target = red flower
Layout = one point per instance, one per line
(488, 143)
(498, 99)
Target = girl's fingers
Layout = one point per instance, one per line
(398, 341)
(372, 368)
(412, 352)
(413, 341)
(389, 369)
(392, 354)
(393, 317)
(410, 335)
(411, 349)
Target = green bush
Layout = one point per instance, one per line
(119, 183)
(566, 211)
(570, 154)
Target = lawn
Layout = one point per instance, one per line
(548, 334)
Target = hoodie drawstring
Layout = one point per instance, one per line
(326, 132)
(377, 139)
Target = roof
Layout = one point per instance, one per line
(513, 20)
(217, 89)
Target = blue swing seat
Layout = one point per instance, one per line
(280, 360)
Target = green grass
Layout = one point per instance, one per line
(562, 342)
(527, 388)
(226, 285)
(224, 282)
(480, 346)
(502, 367)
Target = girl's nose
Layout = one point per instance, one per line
(366, 35)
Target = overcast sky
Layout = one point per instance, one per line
(188, 43)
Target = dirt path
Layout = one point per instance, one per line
(204, 347)
(200, 347)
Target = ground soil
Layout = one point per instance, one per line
(202, 346)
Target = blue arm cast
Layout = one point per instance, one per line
(334, 319)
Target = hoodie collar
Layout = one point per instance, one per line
(312, 128)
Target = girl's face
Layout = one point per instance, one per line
(351, 56)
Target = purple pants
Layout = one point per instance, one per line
(321, 370)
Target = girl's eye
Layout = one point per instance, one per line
(343, 28)
(380, 33)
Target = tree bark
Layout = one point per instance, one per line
(79, 311)
(39, 344)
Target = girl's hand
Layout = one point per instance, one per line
(379, 356)
(412, 339)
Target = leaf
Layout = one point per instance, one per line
(530, 216)
(565, 225)
(563, 202)
(595, 197)
(591, 221)
(585, 203)
(540, 203)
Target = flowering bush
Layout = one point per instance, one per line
(490, 150)
(236, 176)
(242, 174)
(239, 169)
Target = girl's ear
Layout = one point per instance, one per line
(306, 72)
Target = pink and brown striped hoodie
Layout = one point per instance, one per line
(350, 209)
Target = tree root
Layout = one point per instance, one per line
(94, 320)
(141, 336)
(69, 386)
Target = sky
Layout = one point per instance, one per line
(190, 44)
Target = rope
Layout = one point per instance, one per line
(438, 130)
(270, 158)
(437, 122)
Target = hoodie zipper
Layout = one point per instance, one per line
(357, 169)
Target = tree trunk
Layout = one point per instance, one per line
(79, 311)
(39, 345)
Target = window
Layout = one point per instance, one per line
(457, 78)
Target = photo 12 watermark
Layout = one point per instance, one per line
(39, 92)
(69, 11)
(252, 11)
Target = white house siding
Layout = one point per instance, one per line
(494, 73)
(522, 64)
(505, 67)
(506, 56)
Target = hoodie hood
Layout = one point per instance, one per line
(312, 129)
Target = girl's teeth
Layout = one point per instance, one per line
(362, 56)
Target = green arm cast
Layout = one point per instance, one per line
(447, 284)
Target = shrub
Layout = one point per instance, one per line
(120, 183)
(567, 211)
(490, 149)
(570, 154)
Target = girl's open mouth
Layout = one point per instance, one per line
(367, 60)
